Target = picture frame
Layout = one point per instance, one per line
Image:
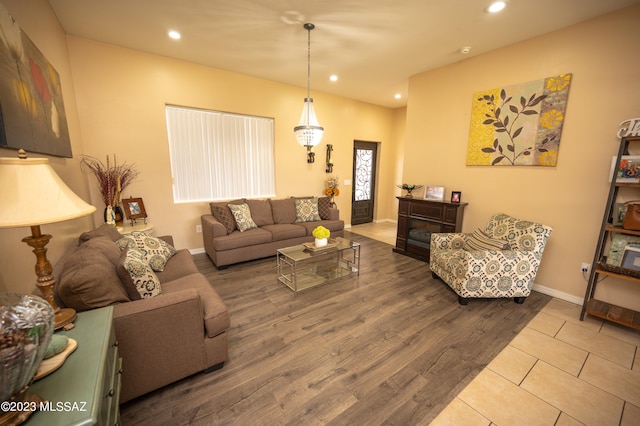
(456, 197)
(619, 209)
(628, 170)
(134, 209)
(435, 193)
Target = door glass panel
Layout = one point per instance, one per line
(364, 167)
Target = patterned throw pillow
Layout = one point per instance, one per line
(307, 209)
(156, 251)
(481, 241)
(324, 204)
(137, 276)
(224, 216)
(242, 214)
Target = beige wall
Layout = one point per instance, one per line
(17, 263)
(570, 197)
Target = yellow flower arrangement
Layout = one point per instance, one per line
(321, 232)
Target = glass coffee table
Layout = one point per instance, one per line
(304, 266)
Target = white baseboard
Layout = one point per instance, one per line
(558, 294)
(386, 220)
(197, 250)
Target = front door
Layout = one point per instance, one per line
(364, 182)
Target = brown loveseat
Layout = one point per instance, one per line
(279, 223)
(162, 338)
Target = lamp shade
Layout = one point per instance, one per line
(32, 193)
(308, 131)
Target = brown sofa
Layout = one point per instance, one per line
(280, 223)
(162, 338)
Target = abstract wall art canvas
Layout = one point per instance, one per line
(518, 125)
(32, 115)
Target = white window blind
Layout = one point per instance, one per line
(220, 156)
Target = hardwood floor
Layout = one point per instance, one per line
(391, 346)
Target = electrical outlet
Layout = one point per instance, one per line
(198, 228)
(585, 267)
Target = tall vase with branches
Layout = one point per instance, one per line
(112, 181)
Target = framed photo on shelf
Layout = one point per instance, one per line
(434, 193)
(618, 244)
(619, 209)
(456, 196)
(134, 208)
(628, 170)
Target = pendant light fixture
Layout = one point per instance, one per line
(308, 131)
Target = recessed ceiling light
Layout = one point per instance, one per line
(496, 7)
(174, 35)
(333, 77)
(397, 96)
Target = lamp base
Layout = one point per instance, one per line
(22, 399)
(64, 316)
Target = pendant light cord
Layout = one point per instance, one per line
(309, 27)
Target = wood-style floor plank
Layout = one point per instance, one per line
(390, 346)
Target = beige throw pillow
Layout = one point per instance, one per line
(242, 214)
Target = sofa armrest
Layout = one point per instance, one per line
(160, 340)
(334, 213)
(211, 228)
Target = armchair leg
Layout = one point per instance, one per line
(463, 300)
(519, 300)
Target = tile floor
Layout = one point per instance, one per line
(557, 371)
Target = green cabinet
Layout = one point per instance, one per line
(85, 389)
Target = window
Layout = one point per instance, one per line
(220, 156)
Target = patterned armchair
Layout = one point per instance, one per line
(500, 261)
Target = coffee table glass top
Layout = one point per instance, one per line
(301, 267)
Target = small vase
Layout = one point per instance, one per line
(117, 215)
(321, 242)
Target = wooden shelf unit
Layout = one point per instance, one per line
(591, 305)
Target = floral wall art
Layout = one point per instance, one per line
(32, 115)
(518, 125)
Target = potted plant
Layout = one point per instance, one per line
(321, 234)
(112, 181)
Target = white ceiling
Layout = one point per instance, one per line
(374, 46)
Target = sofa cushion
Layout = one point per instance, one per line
(479, 240)
(306, 210)
(222, 213)
(285, 231)
(179, 265)
(138, 279)
(324, 204)
(104, 231)
(331, 225)
(89, 280)
(242, 239)
(215, 313)
(284, 211)
(242, 215)
(260, 212)
(156, 251)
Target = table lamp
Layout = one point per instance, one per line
(32, 194)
